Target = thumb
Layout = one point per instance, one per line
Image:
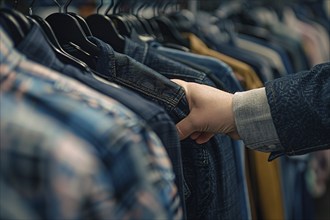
(185, 128)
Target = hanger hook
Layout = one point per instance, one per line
(163, 6)
(59, 6)
(144, 5)
(15, 4)
(116, 6)
(109, 7)
(166, 6)
(177, 5)
(153, 7)
(139, 9)
(66, 5)
(133, 7)
(157, 6)
(99, 7)
(31, 6)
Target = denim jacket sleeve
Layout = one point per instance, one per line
(290, 116)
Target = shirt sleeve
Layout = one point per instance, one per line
(300, 107)
(254, 121)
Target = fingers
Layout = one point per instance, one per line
(180, 82)
(195, 135)
(204, 137)
(185, 128)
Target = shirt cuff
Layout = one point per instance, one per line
(254, 121)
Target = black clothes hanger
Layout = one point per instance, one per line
(137, 30)
(152, 23)
(120, 22)
(22, 21)
(45, 27)
(19, 18)
(154, 27)
(82, 23)
(53, 42)
(72, 37)
(59, 52)
(103, 28)
(127, 18)
(16, 24)
(134, 23)
(169, 32)
(139, 22)
(146, 25)
(12, 28)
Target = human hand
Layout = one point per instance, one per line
(210, 112)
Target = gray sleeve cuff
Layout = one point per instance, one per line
(254, 121)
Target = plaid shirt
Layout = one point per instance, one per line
(121, 141)
(53, 171)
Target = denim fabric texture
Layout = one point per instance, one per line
(221, 70)
(166, 67)
(206, 195)
(121, 140)
(293, 171)
(222, 192)
(133, 75)
(238, 150)
(304, 97)
(217, 82)
(238, 167)
(154, 116)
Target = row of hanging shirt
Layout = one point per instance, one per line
(88, 114)
(275, 39)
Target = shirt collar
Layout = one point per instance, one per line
(138, 51)
(35, 47)
(106, 62)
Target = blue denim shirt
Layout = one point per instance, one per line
(121, 140)
(166, 67)
(235, 148)
(154, 116)
(220, 69)
(212, 188)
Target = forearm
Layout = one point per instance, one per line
(290, 115)
(300, 108)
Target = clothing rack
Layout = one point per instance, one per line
(88, 101)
